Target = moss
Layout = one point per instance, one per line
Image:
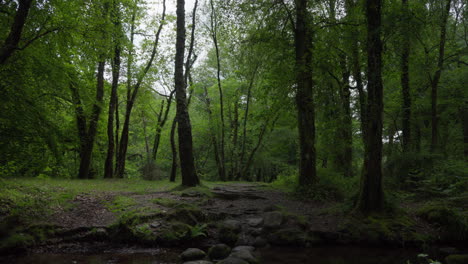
(452, 223)
(166, 202)
(393, 229)
(457, 259)
(191, 216)
(16, 241)
(120, 204)
(198, 191)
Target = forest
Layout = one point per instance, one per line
(234, 131)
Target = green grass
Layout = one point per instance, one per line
(29, 198)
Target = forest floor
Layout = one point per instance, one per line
(99, 218)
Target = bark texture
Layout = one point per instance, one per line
(304, 95)
(371, 198)
(184, 129)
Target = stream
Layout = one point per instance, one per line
(273, 255)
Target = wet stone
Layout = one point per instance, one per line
(259, 242)
(232, 260)
(272, 219)
(232, 225)
(198, 262)
(192, 254)
(239, 248)
(254, 222)
(245, 255)
(219, 251)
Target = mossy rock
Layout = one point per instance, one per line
(191, 216)
(452, 223)
(288, 237)
(457, 259)
(380, 229)
(16, 241)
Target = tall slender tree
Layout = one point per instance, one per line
(304, 94)
(405, 83)
(371, 198)
(436, 78)
(184, 128)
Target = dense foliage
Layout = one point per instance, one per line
(64, 63)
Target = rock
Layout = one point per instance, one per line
(239, 248)
(254, 222)
(254, 231)
(219, 251)
(198, 262)
(192, 254)
(245, 255)
(272, 219)
(232, 225)
(229, 231)
(228, 237)
(155, 224)
(457, 259)
(259, 242)
(288, 237)
(232, 260)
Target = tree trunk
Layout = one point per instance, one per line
(464, 120)
(122, 156)
(174, 151)
(371, 197)
(347, 125)
(93, 124)
(246, 117)
(14, 36)
(184, 129)
(304, 95)
(214, 28)
(109, 164)
(436, 79)
(219, 165)
(405, 86)
(80, 116)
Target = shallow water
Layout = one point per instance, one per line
(321, 255)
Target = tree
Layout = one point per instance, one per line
(132, 95)
(117, 39)
(184, 128)
(405, 82)
(304, 95)
(14, 37)
(371, 198)
(436, 78)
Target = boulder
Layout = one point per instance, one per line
(272, 219)
(232, 260)
(198, 262)
(254, 222)
(239, 248)
(245, 255)
(192, 254)
(232, 225)
(219, 251)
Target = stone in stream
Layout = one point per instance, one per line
(254, 222)
(192, 254)
(272, 219)
(232, 260)
(219, 251)
(232, 225)
(198, 262)
(245, 255)
(229, 232)
(239, 248)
